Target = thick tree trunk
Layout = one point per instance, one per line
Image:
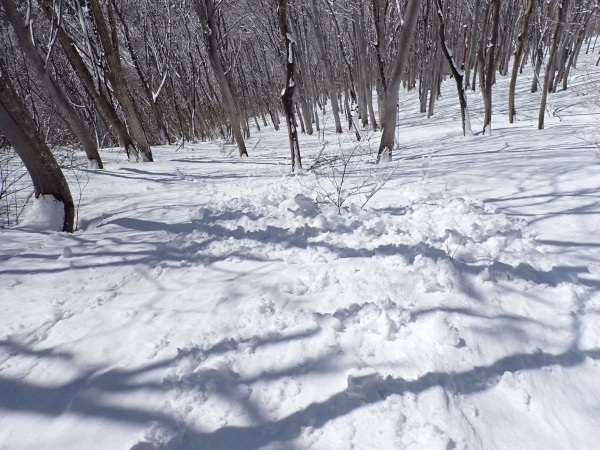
(205, 9)
(102, 104)
(393, 83)
(58, 96)
(116, 76)
(517, 61)
(21, 131)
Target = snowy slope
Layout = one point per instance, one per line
(207, 302)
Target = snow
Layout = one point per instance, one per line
(46, 213)
(209, 301)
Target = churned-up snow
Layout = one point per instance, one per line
(213, 302)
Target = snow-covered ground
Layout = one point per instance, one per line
(207, 302)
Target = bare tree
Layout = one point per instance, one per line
(487, 60)
(20, 130)
(205, 9)
(456, 72)
(290, 84)
(21, 28)
(101, 102)
(395, 77)
(561, 15)
(109, 39)
(517, 61)
(329, 82)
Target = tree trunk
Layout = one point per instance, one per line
(21, 131)
(102, 104)
(517, 61)
(335, 107)
(116, 76)
(290, 85)
(152, 98)
(393, 83)
(487, 63)
(205, 9)
(366, 94)
(539, 59)
(58, 95)
(470, 60)
(456, 73)
(561, 15)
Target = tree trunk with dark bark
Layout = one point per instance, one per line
(205, 9)
(517, 61)
(58, 96)
(456, 73)
(110, 43)
(21, 131)
(290, 85)
(561, 15)
(393, 81)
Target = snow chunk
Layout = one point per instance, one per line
(46, 213)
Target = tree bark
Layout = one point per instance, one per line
(205, 9)
(58, 96)
(101, 103)
(335, 107)
(456, 73)
(21, 131)
(116, 76)
(487, 63)
(561, 15)
(290, 85)
(517, 61)
(393, 82)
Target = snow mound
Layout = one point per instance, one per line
(46, 213)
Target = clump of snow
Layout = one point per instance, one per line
(46, 213)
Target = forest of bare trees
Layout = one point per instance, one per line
(140, 73)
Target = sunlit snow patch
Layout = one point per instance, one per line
(46, 213)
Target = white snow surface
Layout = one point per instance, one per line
(208, 302)
(45, 213)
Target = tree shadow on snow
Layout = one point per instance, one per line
(85, 395)
(361, 392)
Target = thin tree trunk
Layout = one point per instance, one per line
(456, 73)
(488, 63)
(329, 82)
(517, 61)
(290, 85)
(471, 60)
(152, 98)
(539, 59)
(561, 14)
